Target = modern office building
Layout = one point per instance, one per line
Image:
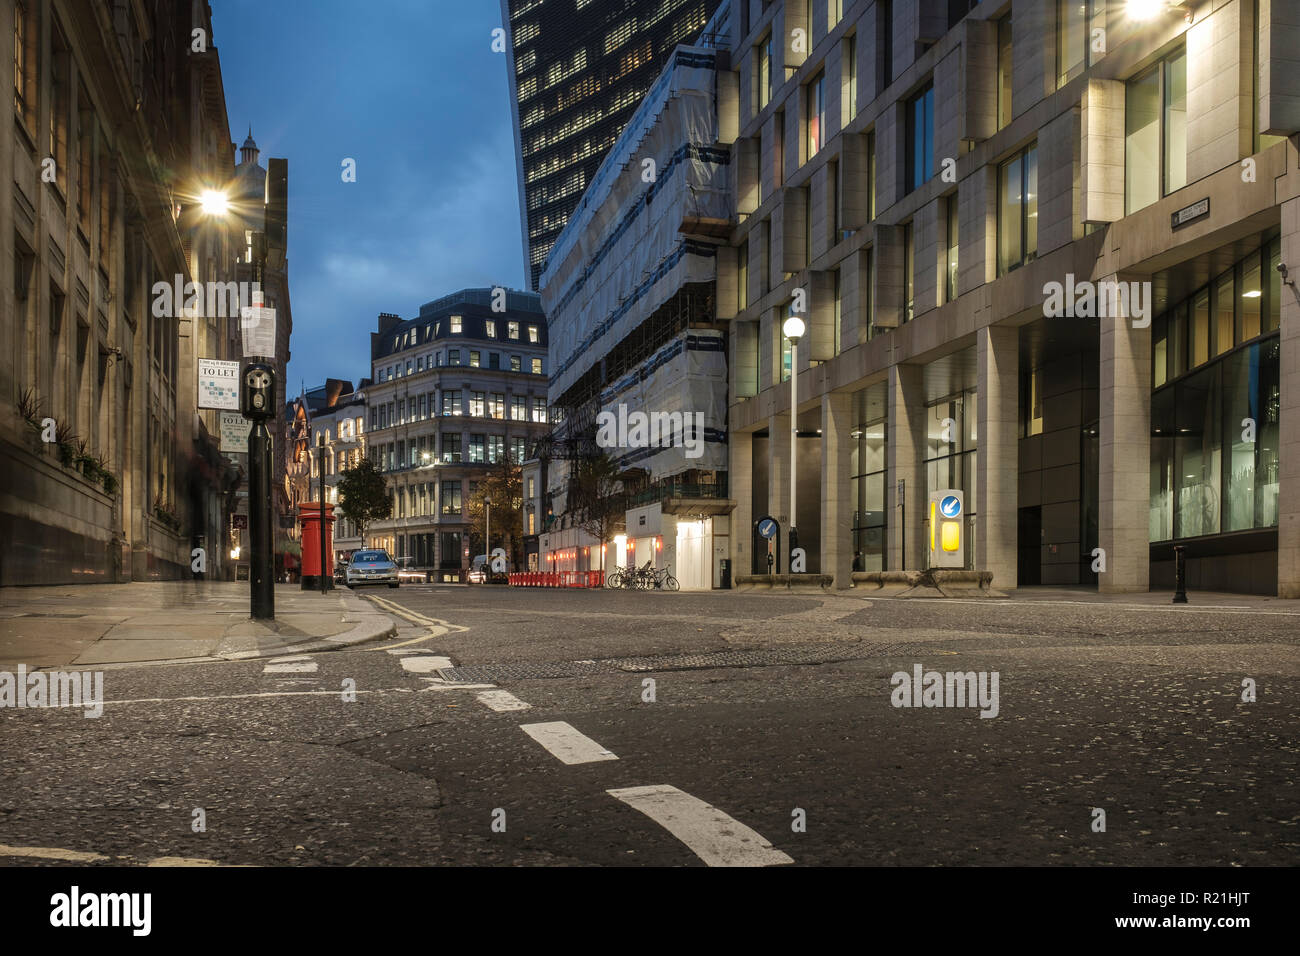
(578, 70)
(1045, 252)
(640, 359)
(456, 390)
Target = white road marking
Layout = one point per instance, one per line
(51, 853)
(567, 744)
(424, 663)
(710, 834)
(293, 667)
(290, 659)
(181, 861)
(437, 683)
(502, 700)
(400, 652)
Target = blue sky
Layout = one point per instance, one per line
(412, 91)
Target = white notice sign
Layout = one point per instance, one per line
(234, 432)
(218, 384)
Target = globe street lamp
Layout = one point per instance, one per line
(793, 329)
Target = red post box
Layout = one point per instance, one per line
(309, 516)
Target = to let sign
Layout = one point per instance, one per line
(218, 384)
(234, 432)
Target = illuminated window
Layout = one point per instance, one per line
(455, 324)
(816, 114)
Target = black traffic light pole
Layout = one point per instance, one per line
(325, 582)
(262, 578)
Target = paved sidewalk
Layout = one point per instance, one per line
(107, 624)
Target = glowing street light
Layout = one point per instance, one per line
(214, 203)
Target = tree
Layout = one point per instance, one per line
(596, 499)
(363, 496)
(504, 487)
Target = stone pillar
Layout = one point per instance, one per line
(997, 454)
(740, 481)
(1288, 514)
(1124, 479)
(837, 500)
(778, 480)
(906, 462)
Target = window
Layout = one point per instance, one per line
(419, 363)
(85, 159)
(764, 72)
(909, 272)
(408, 366)
(516, 363)
(451, 447)
(532, 334)
(742, 276)
(497, 405)
(816, 114)
(950, 291)
(59, 106)
(885, 40)
(838, 315)
(1018, 210)
(539, 409)
(1077, 23)
(474, 358)
(476, 449)
(518, 408)
(455, 324)
(490, 328)
(451, 402)
(518, 450)
(920, 138)
(1004, 71)
(851, 74)
(537, 366)
(834, 13)
(512, 330)
(871, 175)
(787, 353)
(25, 65)
(496, 448)
(453, 356)
(531, 488)
(494, 360)
(476, 404)
(450, 506)
(1155, 133)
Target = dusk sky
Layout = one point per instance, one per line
(412, 91)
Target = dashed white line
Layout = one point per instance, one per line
(424, 663)
(717, 839)
(292, 666)
(567, 744)
(501, 701)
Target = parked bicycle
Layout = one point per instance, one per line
(643, 578)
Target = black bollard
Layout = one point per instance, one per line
(1180, 574)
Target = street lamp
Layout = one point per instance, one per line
(793, 329)
(257, 402)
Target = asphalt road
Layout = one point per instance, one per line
(772, 737)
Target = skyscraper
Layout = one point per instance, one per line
(579, 70)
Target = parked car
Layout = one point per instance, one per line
(478, 572)
(371, 566)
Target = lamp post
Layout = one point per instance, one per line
(257, 402)
(793, 329)
(487, 534)
(325, 582)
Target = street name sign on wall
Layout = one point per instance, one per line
(234, 432)
(218, 384)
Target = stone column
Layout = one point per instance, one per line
(740, 480)
(1288, 514)
(997, 454)
(1124, 479)
(906, 461)
(837, 484)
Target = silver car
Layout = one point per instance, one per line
(373, 566)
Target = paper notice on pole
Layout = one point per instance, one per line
(234, 432)
(218, 384)
(257, 323)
